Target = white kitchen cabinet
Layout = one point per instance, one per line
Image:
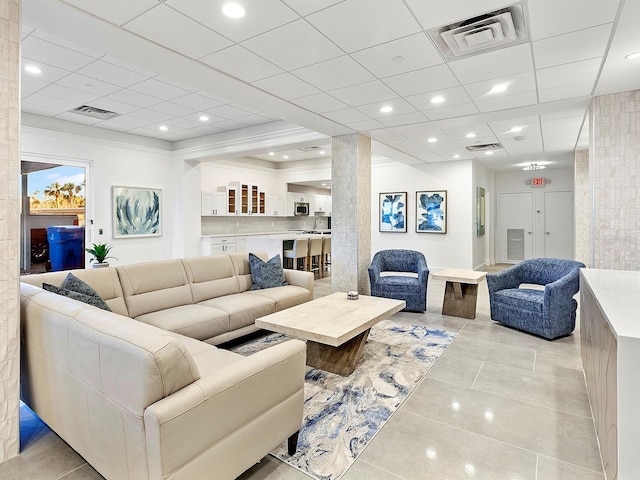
(248, 198)
(213, 203)
(275, 206)
(218, 245)
(230, 199)
(322, 204)
(241, 244)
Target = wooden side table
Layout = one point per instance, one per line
(461, 291)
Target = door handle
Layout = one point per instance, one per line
(547, 233)
(529, 233)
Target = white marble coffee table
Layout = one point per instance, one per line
(461, 291)
(335, 327)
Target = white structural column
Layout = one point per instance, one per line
(9, 228)
(614, 170)
(583, 210)
(350, 213)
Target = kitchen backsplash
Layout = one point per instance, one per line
(255, 224)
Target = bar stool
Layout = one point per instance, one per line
(299, 251)
(326, 255)
(315, 255)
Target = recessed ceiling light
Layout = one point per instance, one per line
(204, 118)
(272, 153)
(455, 155)
(501, 87)
(286, 157)
(233, 10)
(164, 128)
(33, 69)
(386, 109)
(321, 152)
(437, 99)
(488, 153)
(432, 140)
(633, 56)
(470, 135)
(515, 130)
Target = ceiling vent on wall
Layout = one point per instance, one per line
(484, 147)
(94, 112)
(311, 149)
(490, 31)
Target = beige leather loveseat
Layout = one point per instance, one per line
(142, 402)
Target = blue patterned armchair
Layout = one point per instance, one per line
(549, 313)
(412, 290)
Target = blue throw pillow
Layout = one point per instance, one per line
(266, 274)
(96, 300)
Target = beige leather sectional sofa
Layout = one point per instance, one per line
(140, 392)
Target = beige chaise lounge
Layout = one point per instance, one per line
(140, 402)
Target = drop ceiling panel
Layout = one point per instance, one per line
(403, 119)
(229, 112)
(197, 101)
(114, 106)
(49, 73)
(74, 117)
(571, 47)
(399, 56)
(69, 94)
(347, 115)
(461, 110)
(364, 93)
(44, 103)
(506, 102)
(111, 73)
(424, 80)
(452, 96)
(562, 92)
(286, 86)
(261, 16)
(585, 71)
(320, 102)
(335, 73)
(481, 130)
(89, 85)
(294, 45)
(366, 126)
(399, 107)
(29, 85)
(241, 63)
(153, 116)
(520, 83)
(159, 89)
(496, 64)
(134, 98)
(167, 27)
(52, 54)
(561, 134)
(526, 142)
(359, 24)
(550, 17)
(173, 109)
(42, 35)
(305, 7)
(116, 11)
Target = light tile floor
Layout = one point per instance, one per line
(498, 405)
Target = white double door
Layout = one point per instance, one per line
(535, 224)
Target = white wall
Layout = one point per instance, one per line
(119, 164)
(450, 250)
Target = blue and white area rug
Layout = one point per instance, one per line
(343, 414)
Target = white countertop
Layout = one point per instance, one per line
(249, 234)
(617, 293)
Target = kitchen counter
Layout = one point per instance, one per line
(276, 243)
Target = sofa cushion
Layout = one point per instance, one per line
(284, 297)
(525, 298)
(154, 286)
(403, 283)
(94, 300)
(242, 268)
(210, 276)
(195, 321)
(243, 308)
(267, 274)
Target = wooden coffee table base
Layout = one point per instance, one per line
(460, 299)
(341, 360)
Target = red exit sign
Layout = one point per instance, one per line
(538, 182)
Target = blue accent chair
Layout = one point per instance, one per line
(549, 313)
(412, 290)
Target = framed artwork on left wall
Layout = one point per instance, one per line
(393, 212)
(137, 212)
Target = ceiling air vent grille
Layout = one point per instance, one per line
(94, 112)
(484, 147)
(311, 149)
(490, 31)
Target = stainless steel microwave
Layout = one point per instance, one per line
(300, 208)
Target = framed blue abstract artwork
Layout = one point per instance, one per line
(136, 212)
(393, 212)
(431, 211)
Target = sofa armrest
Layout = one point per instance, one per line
(558, 294)
(197, 428)
(300, 278)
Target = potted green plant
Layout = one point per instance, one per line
(100, 252)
